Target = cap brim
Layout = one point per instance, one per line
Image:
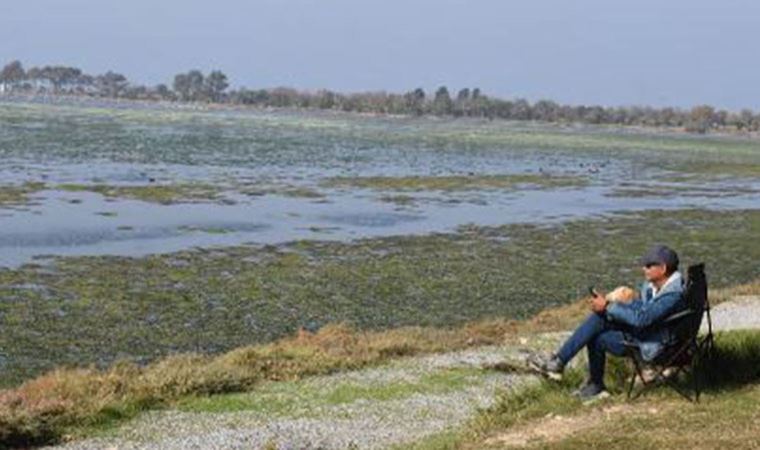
(647, 262)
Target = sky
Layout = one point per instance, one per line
(607, 52)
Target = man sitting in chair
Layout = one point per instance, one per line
(660, 296)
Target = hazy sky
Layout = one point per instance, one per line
(610, 52)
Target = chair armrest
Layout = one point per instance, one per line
(665, 322)
(677, 316)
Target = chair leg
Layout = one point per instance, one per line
(633, 380)
(706, 346)
(696, 371)
(660, 379)
(645, 385)
(673, 383)
(691, 351)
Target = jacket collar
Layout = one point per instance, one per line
(674, 284)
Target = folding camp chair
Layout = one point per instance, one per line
(686, 350)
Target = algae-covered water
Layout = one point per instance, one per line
(135, 231)
(79, 180)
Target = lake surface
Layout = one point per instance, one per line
(380, 222)
(270, 175)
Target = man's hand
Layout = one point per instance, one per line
(598, 303)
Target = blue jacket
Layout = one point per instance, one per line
(648, 309)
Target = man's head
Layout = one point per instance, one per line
(659, 263)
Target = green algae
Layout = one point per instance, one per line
(263, 189)
(19, 195)
(95, 310)
(250, 137)
(456, 183)
(679, 190)
(163, 194)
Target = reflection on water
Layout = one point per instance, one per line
(83, 223)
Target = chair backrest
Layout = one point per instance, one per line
(695, 299)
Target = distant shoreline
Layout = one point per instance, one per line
(84, 100)
(194, 87)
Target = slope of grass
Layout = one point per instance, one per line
(726, 416)
(46, 408)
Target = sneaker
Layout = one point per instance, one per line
(591, 392)
(549, 366)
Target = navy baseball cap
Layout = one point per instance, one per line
(660, 254)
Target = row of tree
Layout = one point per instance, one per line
(194, 86)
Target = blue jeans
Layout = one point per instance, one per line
(598, 336)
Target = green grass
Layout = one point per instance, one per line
(727, 421)
(304, 398)
(726, 416)
(450, 440)
(532, 403)
(513, 407)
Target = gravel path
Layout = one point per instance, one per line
(314, 418)
(740, 313)
(357, 423)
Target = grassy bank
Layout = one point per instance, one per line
(68, 403)
(546, 416)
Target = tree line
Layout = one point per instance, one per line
(195, 86)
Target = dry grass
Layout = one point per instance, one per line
(721, 295)
(43, 410)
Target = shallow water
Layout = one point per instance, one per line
(240, 150)
(95, 226)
